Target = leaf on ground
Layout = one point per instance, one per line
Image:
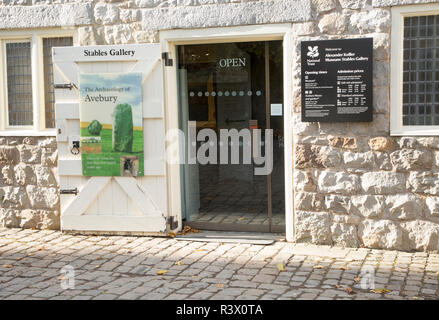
(219, 285)
(179, 263)
(30, 254)
(97, 266)
(17, 259)
(280, 267)
(357, 279)
(187, 229)
(318, 266)
(171, 234)
(349, 290)
(240, 219)
(338, 286)
(62, 277)
(380, 290)
(415, 298)
(343, 268)
(267, 259)
(437, 273)
(7, 266)
(162, 272)
(41, 249)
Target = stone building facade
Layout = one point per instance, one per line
(355, 184)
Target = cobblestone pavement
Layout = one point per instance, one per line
(38, 265)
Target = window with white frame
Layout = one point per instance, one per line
(414, 95)
(19, 83)
(27, 101)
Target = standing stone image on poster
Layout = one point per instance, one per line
(111, 124)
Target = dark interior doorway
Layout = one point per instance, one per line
(233, 86)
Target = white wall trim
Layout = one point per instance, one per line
(35, 37)
(170, 39)
(28, 133)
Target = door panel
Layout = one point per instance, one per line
(112, 203)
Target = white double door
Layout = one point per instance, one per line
(123, 204)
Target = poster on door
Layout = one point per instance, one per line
(111, 142)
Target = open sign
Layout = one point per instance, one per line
(231, 62)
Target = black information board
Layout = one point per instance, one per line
(337, 80)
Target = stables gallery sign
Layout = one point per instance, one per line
(337, 80)
(111, 124)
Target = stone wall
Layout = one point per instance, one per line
(354, 184)
(138, 21)
(29, 196)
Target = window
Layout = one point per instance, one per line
(19, 83)
(27, 99)
(49, 94)
(415, 70)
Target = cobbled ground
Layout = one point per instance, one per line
(54, 265)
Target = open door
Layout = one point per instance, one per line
(111, 203)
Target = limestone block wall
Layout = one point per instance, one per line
(355, 185)
(29, 196)
(138, 21)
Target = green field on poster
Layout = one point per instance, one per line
(112, 168)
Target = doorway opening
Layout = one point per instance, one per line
(233, 86)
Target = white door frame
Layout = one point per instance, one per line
(170, 39)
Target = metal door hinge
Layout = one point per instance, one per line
(69, 191)
(69, 86)
(173, 223)
(166, 59)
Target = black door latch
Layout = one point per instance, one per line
(69, 86)
(69, 191)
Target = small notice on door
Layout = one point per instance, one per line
(337, 80)
(111, 124)
(276, 109)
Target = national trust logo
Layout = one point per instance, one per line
(313, 52)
